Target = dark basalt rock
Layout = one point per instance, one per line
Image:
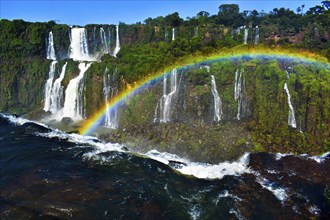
(176, 164)
(32, 127)
(66, 120)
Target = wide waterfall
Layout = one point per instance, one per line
(79, 45)
(48, 86)
(117, 48)
(109, 91)
(57, 91)
(173, 34)
(74, 104)
(238, 92)
(166, 99)
(256, 39)
(217, 101)
(50, 47)
(104, 41)
(291, 117)
(246, 34)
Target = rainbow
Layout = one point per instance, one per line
(305, 57)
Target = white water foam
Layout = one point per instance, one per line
(318, 159)
(314, 210)
(236, 213)
(226, 194)
(204, 170)
(18, 120)
(278, 192)
(195, 212)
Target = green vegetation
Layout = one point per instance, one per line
(147, 48)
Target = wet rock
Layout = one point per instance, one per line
(176, 164)
(66, 120)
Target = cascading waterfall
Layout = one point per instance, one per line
(109, 91)
(246, 34)
(291, 117)
(238, 92)
(207, 67)
(166, 99)
(74, 105)
(117, 48)
(155, 114)
(50, 47)
(79, 45)
(104, 41)
(256, 40)
(196, 32)
(48, 86)
(173, 34)
(237, 87)
(166, 35)
(217, 101)
(57, 93)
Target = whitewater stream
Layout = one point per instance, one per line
(46, 173)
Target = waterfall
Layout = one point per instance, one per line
(109, 91)
(246, 33)
(48, 86)
(155, 114)
(291, 117)
(207, 67)
(50, 47)
(256, 40)
(104, 41)
(217, 101)
(166, 99)
(196, 32)
(79, 45)
(117, 48)
(238, 93)
(74, 105)
(166, 35)
(173, 34)
(237, 87)
(57, 92)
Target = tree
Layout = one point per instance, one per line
(173, 20)
(229, 15)
(203, 14)
(228, 9)
(326, 4)
(302, 8)
(299, 10)
(316, 10)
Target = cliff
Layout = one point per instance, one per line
(255, 119)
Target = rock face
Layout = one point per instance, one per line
(66, 120)
(254, 90)
(176, 114)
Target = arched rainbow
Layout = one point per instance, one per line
(93, 122)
